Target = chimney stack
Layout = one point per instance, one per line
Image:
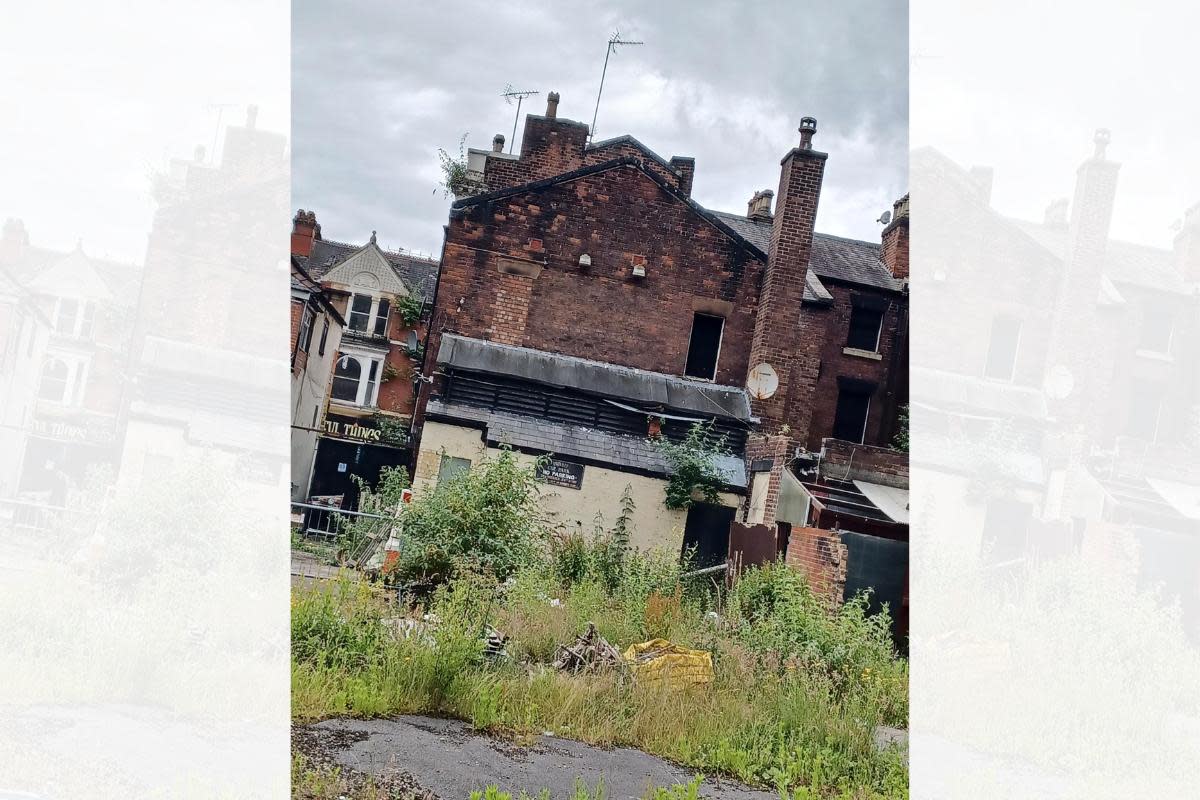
(251, 116)
(1092, 206)
(895, 240)
(759, 207)
(305, 231)
(1056, 213)
(552, 105)
(808, 126)
(792, 352)
(685, 168)
(498, 143)
(14, 240)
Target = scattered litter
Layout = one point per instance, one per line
(659, 661)
(555, 603)
(590, 653)
(494, 647)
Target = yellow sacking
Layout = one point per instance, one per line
(659, 661)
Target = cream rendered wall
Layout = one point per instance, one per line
(310, 387)
(655, 526)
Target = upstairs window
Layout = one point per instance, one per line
(345, 379)
(704, 347)
(381, 317)
(853, 407)
(324, 338)
(360, 312)
(1002, 348)
(75, 318)
(865, 325)
(53, 386)
(304, 340)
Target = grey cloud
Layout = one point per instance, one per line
(378, 87)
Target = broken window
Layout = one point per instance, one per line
(360, 312)
(1002, 348)
(324, 338)
(704, 347)
(305, 337)
(853, 406)
(865, 325)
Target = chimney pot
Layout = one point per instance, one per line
(1102, 137)
(759, 207)
(198, 154)
(498, 143)
(808, 126)
(251, 116)
(552, 105)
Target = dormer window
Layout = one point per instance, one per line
(369, 314)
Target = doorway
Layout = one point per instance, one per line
(707, 530)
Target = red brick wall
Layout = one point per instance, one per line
(598, 312)
(846, 461)
(775, 448)
(297, 317)
(895, 246)
(836, 363)
(821, 556)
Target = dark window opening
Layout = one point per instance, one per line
(850, 420)
(1002, 348)
(704, 346)
(381, 317)
(865, 325)
(706, 534)
(1145, 412)
(306, 324)
(324, 337)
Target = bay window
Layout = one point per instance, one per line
(356, 378)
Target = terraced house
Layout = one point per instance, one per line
(381, 297)
(587, 303)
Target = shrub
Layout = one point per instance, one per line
(485, 519)
(694, 475)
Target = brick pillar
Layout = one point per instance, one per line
(821, 556)
(778, 338)
(773, 449)
(895, 240)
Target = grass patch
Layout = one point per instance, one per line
(798, 690)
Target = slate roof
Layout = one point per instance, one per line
(121, 279)
(573, 441)
(1124, 262)
(419, 274)
(833, 257)
(610, 380)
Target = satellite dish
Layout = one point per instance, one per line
(763, 382)
(1059, 382)
(411, 341)
(885, 217)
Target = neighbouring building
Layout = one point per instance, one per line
(24, 332)
(383, 298)
(587, 302)
(316, 337)
(1082, 326)
(70, 428)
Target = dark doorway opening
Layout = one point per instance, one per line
(707, 530)
(337, 460)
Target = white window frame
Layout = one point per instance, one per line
(76, 380)
(368, 391)
(373, 315)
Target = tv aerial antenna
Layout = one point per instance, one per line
(614, 42)
(508, 95)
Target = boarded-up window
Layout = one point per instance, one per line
(704, 346)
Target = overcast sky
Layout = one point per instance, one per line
(991, 89)
(379, 86)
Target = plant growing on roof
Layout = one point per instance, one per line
(410, 307)
(457, 178)
(900, 440)
(694, 475)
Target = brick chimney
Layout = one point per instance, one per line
(759, 207)
(1056, 213)
(685, 166)
(552, 105)
(1092, 207)
(792, 350)
(895, 240)
(305, 230)
(1187, 245)
(550, 145)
